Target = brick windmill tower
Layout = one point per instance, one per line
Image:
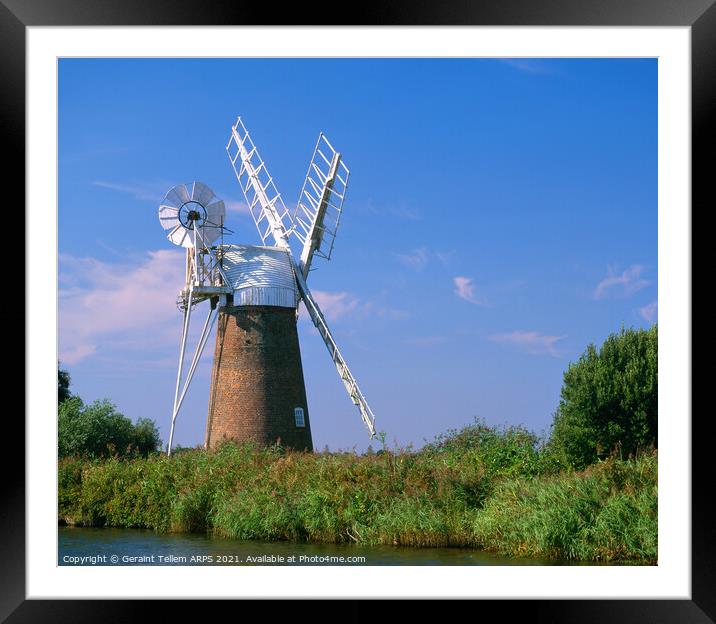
(257, 386)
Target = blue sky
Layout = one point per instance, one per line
(501, 215)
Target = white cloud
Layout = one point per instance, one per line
(373, 308)
(73, 354)
(399, 210)
(122, 305)
(465, 289)
(334, 305)
(402, 211)
(142, 192)
(417, 259)
(445, 257)
(127, 311)
(233, 205)
(155, 192)
(338, 305)
(650, 312)
(622, 284)
(532, 342)
(530, 66)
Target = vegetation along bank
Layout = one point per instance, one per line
(588, 491)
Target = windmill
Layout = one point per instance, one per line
(257, 387)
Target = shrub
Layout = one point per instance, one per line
(503, 451)
(146, 436)
(609, 399)
(63, 385)
(99, 430)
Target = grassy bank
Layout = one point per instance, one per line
(478, 487)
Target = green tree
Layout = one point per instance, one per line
(146, 436)
(609, 399)
(63, 384)
(98, 430)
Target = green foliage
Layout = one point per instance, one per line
(99, 430)
(63, 384)
(146, 436)
(69, 483)
(502, 451)
(431, 497)
(608, 512)
(609, 400)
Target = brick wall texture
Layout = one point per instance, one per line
(257, 379)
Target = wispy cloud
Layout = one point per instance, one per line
(398, 210)
(75, 353)
(444, 257)
(380, 310)
(419, 258)
(623, 284)
(338, 305)
(156, 191)
(650, 312)
(403, 211)
(393, 313)
(114, 311)
(233, 205)
(532, 342)
(465, 289)
(335, 305)
(416, 259)
(143, 192)
(530, 66)
(118, 305)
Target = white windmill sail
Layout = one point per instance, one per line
(320, 203)
(344, 372)
(262, 196)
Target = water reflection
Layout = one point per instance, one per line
(93, 546)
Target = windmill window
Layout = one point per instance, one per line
(298, 415)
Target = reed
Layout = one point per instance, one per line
(495, 488)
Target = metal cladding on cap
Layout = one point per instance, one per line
(260, 276)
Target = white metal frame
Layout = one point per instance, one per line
(320, 204)
(206, 330)
(262, 196)
(349, 381)
(205, 279)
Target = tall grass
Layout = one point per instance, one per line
(607, 512)
(482, 487)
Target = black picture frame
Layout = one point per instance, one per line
(700, 15)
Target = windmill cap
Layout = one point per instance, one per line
(260, 276)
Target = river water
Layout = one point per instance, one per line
(94, 546)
